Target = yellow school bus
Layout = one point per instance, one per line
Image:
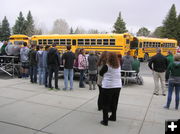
(19, 39)
(144, 47)
(119, 43)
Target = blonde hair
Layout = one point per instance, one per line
(177, 57)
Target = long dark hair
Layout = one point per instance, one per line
(113, 60)
(103, 58)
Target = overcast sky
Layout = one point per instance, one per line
(96, 14)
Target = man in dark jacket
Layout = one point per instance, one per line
(158, 64)
(53, 62)
(33, 64)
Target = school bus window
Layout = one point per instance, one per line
(150, 44)
(134, 44)
(87, 42)
(18, 43)
(68, 41)
(40, 42)
(34, 42)
(44, 42)
(93, 41)
(50, 41)
(156, 45)
(112, 42)
(105, 41)
(159, 45)
(140, 45)
(62, 42)
(127, 41)
(99, 42)
(145, 44)
(73, 42)
(80, 42)
(56, 41)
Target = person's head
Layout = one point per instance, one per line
(54, 45)
(47, 47)
(177, 57)
(40, 47)
(112, 60)
(169, 52)
(68, 47)
(5, 42)
(33, 46)
(92, 52)
(25, 44)
(135, 57)
(82, 51)
(158, 50)
(103, 58)
(37, 48)
(128, 53)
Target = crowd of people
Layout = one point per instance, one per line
(104, 71)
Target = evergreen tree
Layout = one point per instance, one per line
(20, 25)
(5, 29)
(0, 31)
(119, 25)
(143, 32)
(30, 28)
(71, 30)
(178, 29)
(170, 24)
(158, 32)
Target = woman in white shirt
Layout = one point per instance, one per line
(111, 86)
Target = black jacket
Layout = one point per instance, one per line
(158, 63)
(53, 57)
(32, 58)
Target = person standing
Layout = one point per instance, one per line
(158, 64)
(170, 57)
(92, 69)
(127, 62)
(136, 64)
(39, 58)
(45, 67)
(33, 64)
(174, 81)
(53, 62)
(68, 62)
(111, 86)
(82, 66)
(24, 57)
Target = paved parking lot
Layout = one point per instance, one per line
(27, 108)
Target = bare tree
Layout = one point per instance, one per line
(93, 31)
(60, 27)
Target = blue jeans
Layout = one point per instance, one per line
(45, 79)
(171, 87)
(41, 75)
(33, 74)
(68, 74)
(81, 79)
